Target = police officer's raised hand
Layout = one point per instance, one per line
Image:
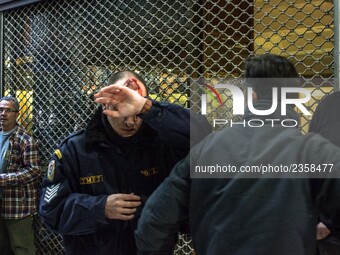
(121, 101)
(122, 206)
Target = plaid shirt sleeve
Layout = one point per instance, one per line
(24, 161)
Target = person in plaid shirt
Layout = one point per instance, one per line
(19, 177)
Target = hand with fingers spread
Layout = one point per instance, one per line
(120, 101)
(122, 206)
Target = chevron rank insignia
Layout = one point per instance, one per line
(51, 192)
(50, 170)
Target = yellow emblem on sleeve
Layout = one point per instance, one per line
(50, 170)
(57, 152)
(149, 172)
(91, 179)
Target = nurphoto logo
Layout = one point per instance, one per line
(242, 99)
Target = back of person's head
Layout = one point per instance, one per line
(127, 74)
(263, 72)
(13, 99)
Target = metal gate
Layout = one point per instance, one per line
(56, 54)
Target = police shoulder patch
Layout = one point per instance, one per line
(50, 170)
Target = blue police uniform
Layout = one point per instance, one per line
(90, 165)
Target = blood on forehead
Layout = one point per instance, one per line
(133, 84)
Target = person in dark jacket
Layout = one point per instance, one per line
(326, 121)
(268, 192)
(99, 179)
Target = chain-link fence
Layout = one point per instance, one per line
(57, 53)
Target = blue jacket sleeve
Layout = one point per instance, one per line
(177, 126)
(61, 208)
(164, 212)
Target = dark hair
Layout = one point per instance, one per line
(267, 71)
(126, 75)
(13, 99)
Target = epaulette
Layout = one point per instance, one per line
(57, 151)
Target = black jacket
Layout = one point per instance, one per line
(248, 213)
(94, 163)
(326, 122)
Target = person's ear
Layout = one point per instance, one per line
(143, 91)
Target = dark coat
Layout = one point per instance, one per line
(326, 122)
(243, 213)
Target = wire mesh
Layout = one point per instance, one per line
(58, 53)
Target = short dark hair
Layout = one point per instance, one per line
(126, 74)
(13, 99)
(263, 72)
